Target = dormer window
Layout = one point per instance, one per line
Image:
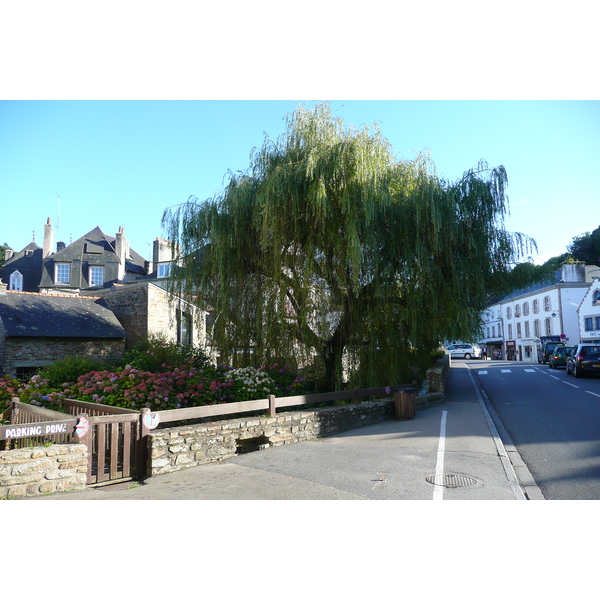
(16, 281)
(62, 272)
(596, 297)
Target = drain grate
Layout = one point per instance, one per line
(451, 480)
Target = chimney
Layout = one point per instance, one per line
(60, 246)
(48, 238)
(8, 253)
(3, 287)
(573, 273)
(147, 267)
(122, 252)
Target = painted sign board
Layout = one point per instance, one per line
(13, 432)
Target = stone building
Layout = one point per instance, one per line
(39, 329)
(101, 268)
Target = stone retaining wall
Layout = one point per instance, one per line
(42, 470)
(176, 448)
(192, 445)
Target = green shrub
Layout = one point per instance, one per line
(67, 370)
(157, 355)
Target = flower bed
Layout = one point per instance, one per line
(180, 387)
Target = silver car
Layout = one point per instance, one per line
(464, 351)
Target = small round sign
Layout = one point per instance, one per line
(82, 427)
(387, 389)
(151, 420)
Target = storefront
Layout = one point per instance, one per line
(511, 350)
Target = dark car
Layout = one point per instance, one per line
(584, 358)
(545, 351)
(558, 358)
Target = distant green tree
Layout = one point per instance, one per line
(586, 247)
(329, 246)
(3, 253)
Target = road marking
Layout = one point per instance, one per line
(506, 371)
(554, 377)
(592, 393)
(438, 490)
(481, 372)
(571, 384)
(513, 480)
(529, 370)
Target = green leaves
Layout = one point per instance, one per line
(330, 247)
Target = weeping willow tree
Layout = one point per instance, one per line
(329, 248)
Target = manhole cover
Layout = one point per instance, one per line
(451, 481)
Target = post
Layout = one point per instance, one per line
(83, 430)
(141, 461)
(356, 399)
(272, 405)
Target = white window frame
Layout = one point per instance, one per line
(94, 272)
(57, 270)
(16, 281)
(163, 270)
(547, 304)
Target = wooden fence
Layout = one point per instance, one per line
(269, 405)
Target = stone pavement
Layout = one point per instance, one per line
(454, 451)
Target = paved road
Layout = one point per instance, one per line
(448, 452)
(553, 420)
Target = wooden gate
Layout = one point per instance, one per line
(116, 450)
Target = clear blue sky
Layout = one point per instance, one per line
(121, 163)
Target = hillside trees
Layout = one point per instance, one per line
(329, 246)
(586, 247)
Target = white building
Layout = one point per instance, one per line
(516, 324)
(589, 314)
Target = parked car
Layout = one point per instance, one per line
(558, 358)
(546, 349)
(464, 351)
(584, 358)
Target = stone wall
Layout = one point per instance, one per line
(143, 309)
(42, 470)
(42, 351)
(172, 449)
(187, 446)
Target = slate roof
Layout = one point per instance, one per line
(93, 248)
(28, 262)
(554, 280)
(42, 315)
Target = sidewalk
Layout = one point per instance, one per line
(449, 452)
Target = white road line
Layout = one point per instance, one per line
(554, 377)
(438, 488)
(571, 384)
(592, 393)
(481, 372)
(529, 370)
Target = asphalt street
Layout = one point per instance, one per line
(453, 451)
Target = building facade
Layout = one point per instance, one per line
(515, 325)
